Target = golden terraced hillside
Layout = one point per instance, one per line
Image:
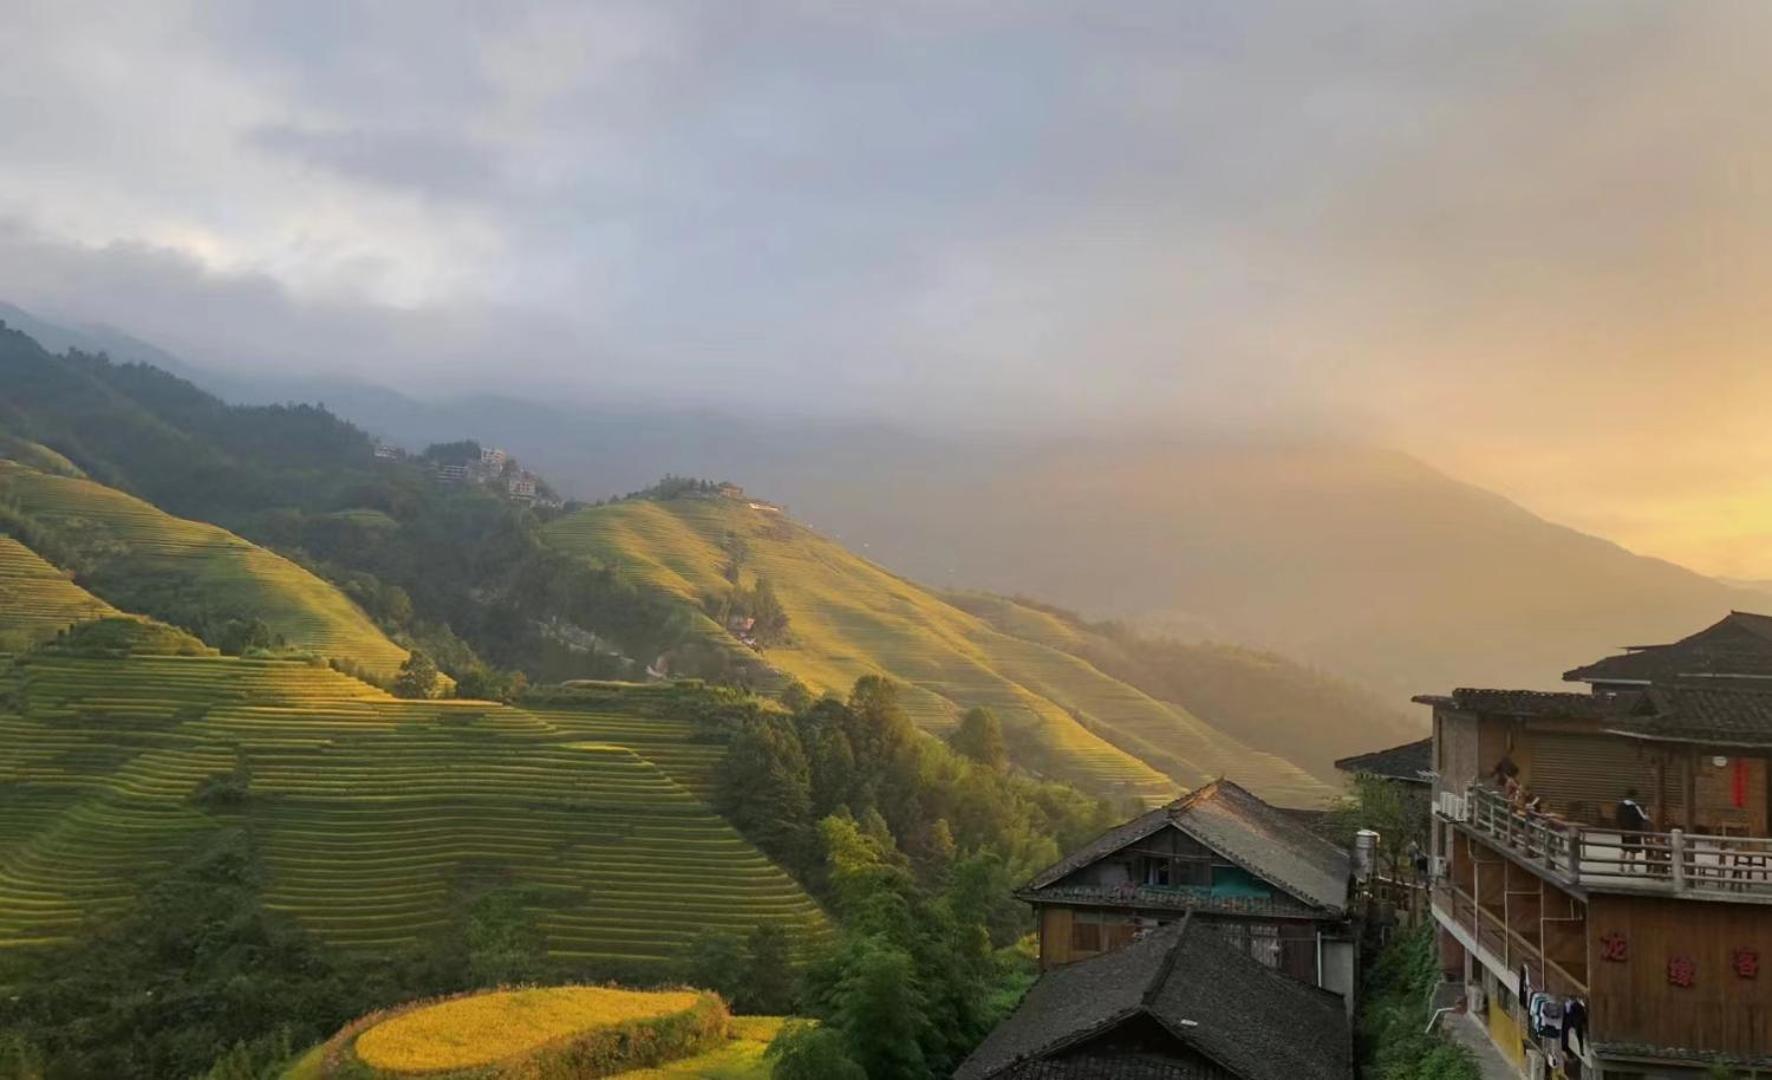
(849, 617)
(374, 814)
(121, 536)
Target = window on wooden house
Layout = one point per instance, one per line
(1154, 870)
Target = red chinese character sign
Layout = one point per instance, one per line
(1614, 947)
(1682, 971)
(1746, 963)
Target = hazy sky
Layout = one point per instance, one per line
(1531, 242)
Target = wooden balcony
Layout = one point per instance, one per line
(1490, 930)
(1606, 859)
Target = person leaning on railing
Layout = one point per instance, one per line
(1633, 821)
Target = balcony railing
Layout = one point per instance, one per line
(1602, 857)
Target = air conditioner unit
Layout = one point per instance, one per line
(1437, 867)
(1475, 1002)
(1534, 1065)
(1453, 807)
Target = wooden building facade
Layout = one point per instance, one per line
(1656, 935)
(1253, 875)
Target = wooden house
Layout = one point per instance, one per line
(1655, 933)
(1250, 870)
(1180, 1004)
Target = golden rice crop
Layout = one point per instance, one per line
(741, 1058)
(468, 1032)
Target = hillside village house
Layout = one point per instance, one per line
(1180, 1004)
(1603, 872)
(1248, 870)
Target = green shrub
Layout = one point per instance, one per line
(1394, 1039)
(121, 636)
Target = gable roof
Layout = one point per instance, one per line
(1714, 716)
(1412, 762)
(1211, 996)
(1230, 820)
(1739, 645)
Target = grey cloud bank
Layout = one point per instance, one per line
(1485, 232)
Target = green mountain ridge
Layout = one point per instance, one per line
(848, 617)
(144, 560)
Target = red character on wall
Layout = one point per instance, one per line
(1746, 963)
(1682, 971)
(1614, 947)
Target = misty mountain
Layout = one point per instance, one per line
(1359, 559)
(1362, 560)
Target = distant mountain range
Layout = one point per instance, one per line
(1362, 560)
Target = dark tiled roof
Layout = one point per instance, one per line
(1410, 761)
(1264, 841)
(1260, 838)
(1108, 1064)
(1539, 703)
(1213, 997)
(1684, 714)
(1320, 822)
(1171, 898)
(1740, 644)
(1104, 845)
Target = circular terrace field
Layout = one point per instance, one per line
(471, 1032)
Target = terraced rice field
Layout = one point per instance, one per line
(480, 1029)
(374, 813)
(672, 744)
(201, 560)
(1063, 717)
(37, 600)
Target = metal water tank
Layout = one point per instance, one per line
(1365, 854)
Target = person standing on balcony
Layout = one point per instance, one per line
(1633, 822)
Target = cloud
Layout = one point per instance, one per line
(429, 162)
(1529, 242)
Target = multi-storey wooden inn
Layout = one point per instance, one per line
(1604, 873)
(1255, 874)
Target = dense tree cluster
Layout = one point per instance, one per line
(916, 849)
(1394, 1040)
(195, 970)
(678, 487)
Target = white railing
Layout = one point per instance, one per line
(1726, 867)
